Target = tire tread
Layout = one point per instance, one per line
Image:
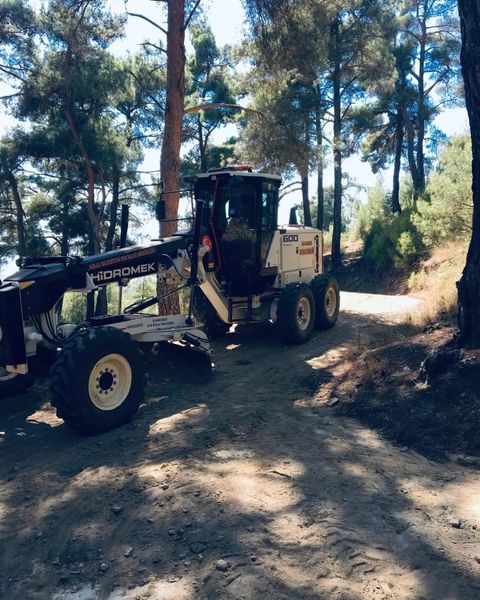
(286, 313)
(68, 402)
(319, 287)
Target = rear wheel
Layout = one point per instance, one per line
(327, 301)
(204, 311)
(296, 313)
(97, 380)
(12, 384)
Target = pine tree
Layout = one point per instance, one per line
(469, 285)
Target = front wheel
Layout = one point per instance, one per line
(296, 313)
(327, 301)
(97, 380)
(12, 384)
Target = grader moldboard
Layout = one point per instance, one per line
(238, 265)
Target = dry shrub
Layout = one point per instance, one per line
(435, 284)
(372, 368)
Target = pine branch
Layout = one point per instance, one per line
(159, 48)
(130, 14)
(192, 12)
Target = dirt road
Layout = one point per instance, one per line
(248, 487)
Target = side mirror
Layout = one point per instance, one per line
(161, 210)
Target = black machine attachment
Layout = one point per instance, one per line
(12, 339)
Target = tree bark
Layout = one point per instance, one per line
(113, 211)
(469, 284)
(66, 200)
(399, 135)
(172, 135)
(202, 145)
(95, 218)
(307, 214)
(337, 161)
(421, 110)
(90, 295)
(320, 190)
(20, 222)
(411, 154)
(174, 110)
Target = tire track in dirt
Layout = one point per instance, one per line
(246, 487)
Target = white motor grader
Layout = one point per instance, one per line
(238, 265)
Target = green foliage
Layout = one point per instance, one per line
(388, 239)
(393, 240)
(208, 82)
(374, 210)
(446, 212)
(17, 28)
(74, 308)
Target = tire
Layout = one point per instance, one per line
(327, 301)
(98, 379)
(202, 309)
(12, 384)
(296, 313)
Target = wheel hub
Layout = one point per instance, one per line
(330, 302)
(304, 314)
(106, 381)
(110, 381)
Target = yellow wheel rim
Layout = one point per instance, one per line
(304, 314)
(330, 302)
(110, 382)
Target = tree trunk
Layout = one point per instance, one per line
(337, 162)
(469, 284)
(421, 110)
(101, 305)
(90, 295)
(399, 135)
(202, 145)
(64, 245)
(113, 211)
(411, 154)
(95, 218)
(174, 110)
(307, 214)
(20, 223)
(172, 134)
(320, 191)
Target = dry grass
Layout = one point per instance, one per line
(435, 284)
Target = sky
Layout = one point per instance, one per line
(226, 17)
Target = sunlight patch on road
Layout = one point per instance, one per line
(378, 304)
(232, 454)
(454, 499)
(367, 478)
(163, 590)
(255, 487)
(45, 416)
(329, 358)
(168, 424)
(86, 592)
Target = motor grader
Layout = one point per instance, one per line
(236, 264)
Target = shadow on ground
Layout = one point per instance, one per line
(239, 488)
